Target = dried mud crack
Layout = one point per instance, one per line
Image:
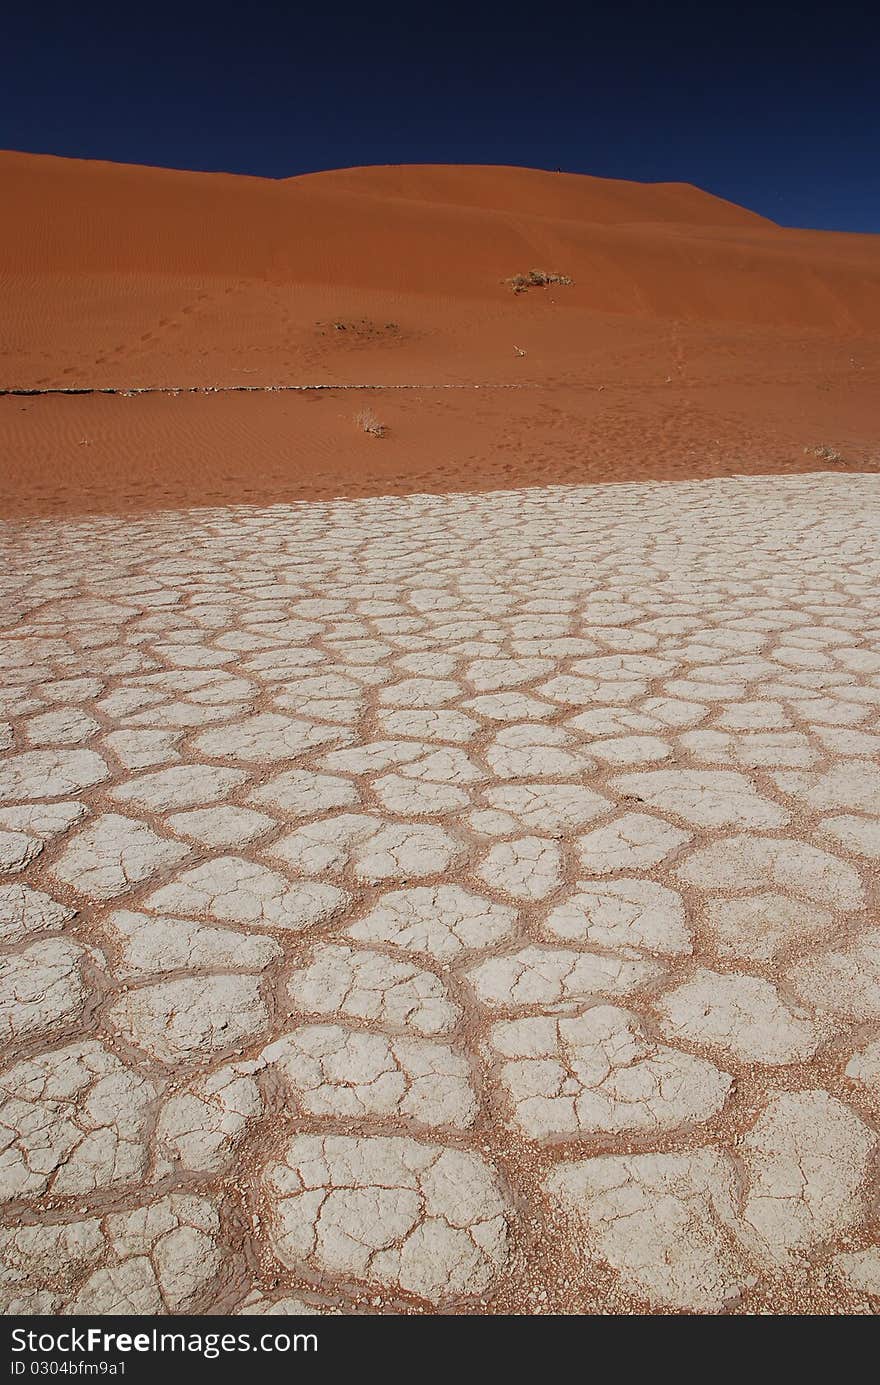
(444, 904)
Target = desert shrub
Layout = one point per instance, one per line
(535, 279)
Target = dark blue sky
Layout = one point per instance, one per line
(771, 107)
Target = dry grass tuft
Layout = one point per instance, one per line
(825, 454)
(535, 279)
(367, 421)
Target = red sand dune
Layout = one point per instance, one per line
(696, 337)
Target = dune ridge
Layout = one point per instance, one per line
(655, 249)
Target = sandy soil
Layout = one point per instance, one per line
(697, 339)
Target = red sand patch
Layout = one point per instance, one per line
(696, 338)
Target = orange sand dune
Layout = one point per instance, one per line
(693, 330)
(535, 192)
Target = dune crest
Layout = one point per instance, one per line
(456, 232)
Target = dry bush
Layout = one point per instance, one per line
(367, 421)
(535, 279)
(825, 454)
